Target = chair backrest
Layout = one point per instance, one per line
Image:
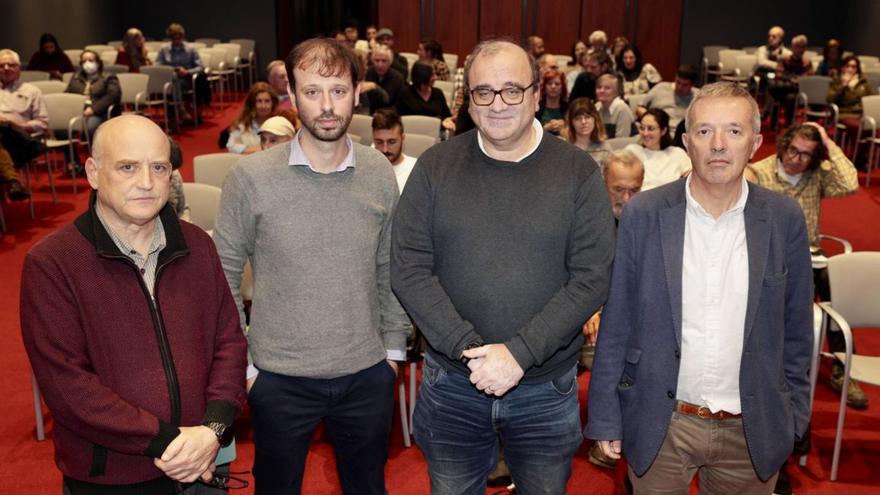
(750, 49)
(195, 45)
(66, 77)
(33, 75)
(873, 78)
(421, 124)
(209, 42)
(73, 54)
(727, 58)
(855, 285)
(563, 60)
(155, 46)
(99, 48)
(362, 125)
(132, 85)
(451, 60)
(746, 63)
(446, 87)
(212, 168)
(815, 87)
(232, 50)
(62, 107)
(213, 58)
(356, 138)
(159, 75)
(247, 47)
(869, 61)
(620, 143)
(115, 44)
(635, 101)
(411, 58)
(109, 57)
(203, 201)
(115, 69)
(710, 52)
(50, 87)
(416, 144)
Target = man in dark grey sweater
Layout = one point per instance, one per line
(314, 219)
(501, 250)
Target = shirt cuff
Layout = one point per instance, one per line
(252, 372)
(395, 355)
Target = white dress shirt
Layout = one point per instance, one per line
(714, 293)
(402, 171)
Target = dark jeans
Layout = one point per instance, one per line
(357, 411)
(458, 429)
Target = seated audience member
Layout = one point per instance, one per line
(176, 196)
(101, 89)
(595, 64)
(638, 77)
(663, 162)
(371, 36)
(186, 62)
(615, 112)
(244, 133)
(276, 75)
(673, 98)
(808, 166)
(574, 67)
(22, 114)
(584, 129)
(388, 138)
(9, 182)
(832, 59)
(554, 101)
(50, 58)
(547, 62)
(535, 46)
(421, 97)
(431, 52)
(598, 42)
(784, 87)
(133, 52)
(399, 63)
(384, 80)
(276, 130)
(770, 54)
(617, 47)
(351, 38)
(847, 89)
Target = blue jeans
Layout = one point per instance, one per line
(459, 428)
(356, 409)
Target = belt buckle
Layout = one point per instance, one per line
(704, 412)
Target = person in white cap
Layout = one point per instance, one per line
(276, 130)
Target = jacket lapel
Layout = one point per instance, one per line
(758, 244)
(672, 244)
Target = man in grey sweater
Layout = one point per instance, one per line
(314, 219)
(501, 250)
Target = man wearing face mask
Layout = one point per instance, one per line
(101, 90)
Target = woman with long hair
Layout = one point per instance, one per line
(50, 57)
(663, 162)
(133, 52)
(638, 77)
(554, 101)
(244, 133)
(584, 129)
(431, 52)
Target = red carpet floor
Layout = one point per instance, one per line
(29, 468)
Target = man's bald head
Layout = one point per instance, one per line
(125, 127)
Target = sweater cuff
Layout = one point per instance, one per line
(521, 353)
(219, 411)
(167, 433)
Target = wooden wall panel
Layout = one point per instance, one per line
(501, 18)
(402, 17)
(557, 22)
(658, 34)
(455, 26)
(609, 16)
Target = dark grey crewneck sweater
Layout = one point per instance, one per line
(513, 253)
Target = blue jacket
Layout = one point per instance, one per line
(635, 373)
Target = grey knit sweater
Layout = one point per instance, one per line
(319, 245)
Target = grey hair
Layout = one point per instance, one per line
(799, 40)
(492, 47)
(6, 52)
(598, 37)
(382, 49)
(624, 157)
(725, 89)
(275, 63)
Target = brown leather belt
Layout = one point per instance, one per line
(703, 412)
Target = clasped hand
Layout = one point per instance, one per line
(493, 369)
(190, 455)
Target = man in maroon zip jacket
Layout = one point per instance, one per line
(131, 330)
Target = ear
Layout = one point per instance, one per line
(92, 172)
(357, 95)
(684, 141)
(758, 139)
(537, 96)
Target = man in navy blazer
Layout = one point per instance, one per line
(702, 357)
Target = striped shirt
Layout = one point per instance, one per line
(146, 264)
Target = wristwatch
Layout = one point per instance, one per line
(219, 429)
(473, 345)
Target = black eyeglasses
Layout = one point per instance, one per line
(801, 155)
(511, 95)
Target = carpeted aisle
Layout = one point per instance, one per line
(29, 466)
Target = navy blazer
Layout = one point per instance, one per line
(635, 373)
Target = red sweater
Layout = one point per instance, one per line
(118, 372)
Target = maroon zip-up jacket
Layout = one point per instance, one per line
(119, 371)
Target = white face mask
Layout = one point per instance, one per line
(90, 67)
